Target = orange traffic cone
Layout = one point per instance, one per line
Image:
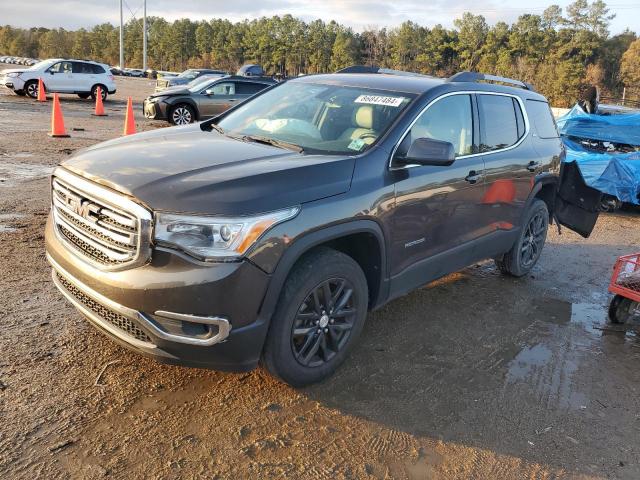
(129, 120)
(57, 121)
(99, 111)
(42, 96)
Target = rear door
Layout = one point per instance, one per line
(83, 77)
(511, 164)
(576, 204)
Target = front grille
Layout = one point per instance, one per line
(100, 232)
(121, 322)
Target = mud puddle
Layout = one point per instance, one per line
(13, 173)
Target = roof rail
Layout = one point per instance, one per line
(476, 77)
(373, 69)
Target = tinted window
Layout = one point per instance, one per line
(542, 119)
(498, 123)
(86, 68)
(449, 120)
(247, 88)
(519, 118)
(96, 68)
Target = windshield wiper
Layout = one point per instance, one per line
(274, 142)
(217, 128)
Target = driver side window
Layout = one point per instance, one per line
(61, 67)
(224, 88)
(450, 120)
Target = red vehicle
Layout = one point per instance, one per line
(625, 283)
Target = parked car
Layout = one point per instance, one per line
(60, 75)
(185, 77)
(134, 72)
(269, 231)
(250, 70)
(181, 105)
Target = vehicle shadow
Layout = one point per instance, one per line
(524, 367)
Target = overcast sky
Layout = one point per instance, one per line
(359, 14)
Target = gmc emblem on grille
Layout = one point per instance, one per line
(84, 208)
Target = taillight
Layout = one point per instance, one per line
(111, 77)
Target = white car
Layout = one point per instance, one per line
(59, 75)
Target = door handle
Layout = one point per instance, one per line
(533, 166)
(473, 177)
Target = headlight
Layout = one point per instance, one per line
(13, 74)
(211, 238)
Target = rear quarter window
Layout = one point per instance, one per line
(542, 119)
(97, 69)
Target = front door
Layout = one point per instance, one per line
(217, 98)
(60, 78)
(437, 208)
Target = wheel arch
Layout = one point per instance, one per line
(362, 240)
(545, 189)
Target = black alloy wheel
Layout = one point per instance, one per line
(324, 322)
(534, 237)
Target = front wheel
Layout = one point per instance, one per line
(182, 115)
(31, 88)
(526, 251)
(319, 316)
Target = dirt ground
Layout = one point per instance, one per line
(474, 376)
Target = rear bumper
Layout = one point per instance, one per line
(176, 313)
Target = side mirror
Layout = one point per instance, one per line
(51, 72)
(209, 92)
(428, 151)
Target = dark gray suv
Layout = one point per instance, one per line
(268, 233)
(202, 100)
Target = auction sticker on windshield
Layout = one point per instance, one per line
(380, 100)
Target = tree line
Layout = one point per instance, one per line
(559, 51)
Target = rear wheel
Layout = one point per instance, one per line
(526, 251)
(103, 92)
(182, 115)
(622, 309)
(31, 88)
(319, 316)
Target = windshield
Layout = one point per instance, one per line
(199, 84)
(189, 74)
(43, 63)
(318, 118)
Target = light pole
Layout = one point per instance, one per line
(121, 39)
(144, 37)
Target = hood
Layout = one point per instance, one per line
(179, 90)
(185, 169)
(13, 70)
(171, 81)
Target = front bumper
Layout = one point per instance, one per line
(172, 309)
(154, 110)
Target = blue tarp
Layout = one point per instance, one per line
(616, 174)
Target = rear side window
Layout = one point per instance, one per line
(542, 119)
(248, 88)
(96, 68)
(501, 122)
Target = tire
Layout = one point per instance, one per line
(622, 309)
(94, 92)
(305, 345)
(31, 88)
(182, 114)
(20, 93)
(84, 96)
(526, 251)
